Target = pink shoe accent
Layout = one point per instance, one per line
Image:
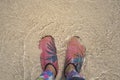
(48, 55)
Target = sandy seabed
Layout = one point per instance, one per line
(24, 22)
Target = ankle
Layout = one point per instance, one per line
(69, 68)
(51, 68)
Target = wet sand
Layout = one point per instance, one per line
(24, 22)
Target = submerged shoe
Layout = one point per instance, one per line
(75, 54)
(48, 55)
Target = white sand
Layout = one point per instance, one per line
(24, 22)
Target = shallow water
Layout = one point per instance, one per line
(24, 22)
